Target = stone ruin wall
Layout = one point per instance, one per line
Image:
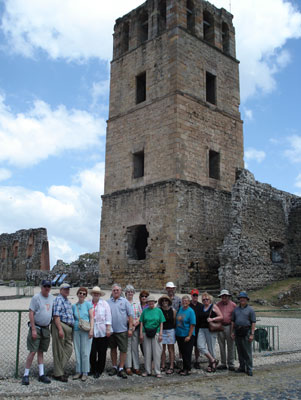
(22, 251)
(264, 242)
(186, 224)
(82, 272)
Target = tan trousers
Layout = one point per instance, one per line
(152, 351)
(61, 348)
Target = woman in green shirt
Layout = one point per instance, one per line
(151, 328)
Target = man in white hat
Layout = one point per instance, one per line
(170, 290)
(61, 330)
(226, 305)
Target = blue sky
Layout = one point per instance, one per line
(54, 87)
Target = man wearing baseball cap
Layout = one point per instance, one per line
(61, 330)
(243, 328)
(38, 339)
(227, 306)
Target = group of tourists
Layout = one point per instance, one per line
(124, 324)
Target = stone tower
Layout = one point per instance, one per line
(174, 143)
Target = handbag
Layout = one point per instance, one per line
(82, 324)
(150, 333)
(215, 326)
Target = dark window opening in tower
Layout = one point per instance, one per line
(162, 16)
(276, 252)
(137, 242)
(138, 164)
(125, 37)
(190, 12)
(143, 28)
(210, 88)
(141, 88)
(225, 38)
(214, 164)
(208, 27)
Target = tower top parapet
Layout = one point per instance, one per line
(154, 17)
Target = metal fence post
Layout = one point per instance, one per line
(18, 343)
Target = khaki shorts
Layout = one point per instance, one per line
(41, 343)
(119, 340)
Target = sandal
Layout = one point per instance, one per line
(162, 369)
(158, 376)
(185, 373)
(214, 365)
(169, 371)
(209, 368)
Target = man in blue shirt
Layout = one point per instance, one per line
(242, 330)
(61, 330)
(122, 326)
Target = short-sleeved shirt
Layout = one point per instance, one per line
(184, 319)
(243, 316)
(197, 308)
(176, 303)
(63, 308)
(151, 318)
(121, 309)
(42, 308)
(226, 310)
(83, 313)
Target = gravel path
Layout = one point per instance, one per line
(279, 379)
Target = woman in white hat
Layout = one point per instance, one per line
(151, 328)
(102, 332)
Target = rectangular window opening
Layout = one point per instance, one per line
(137, 242)
(210, 88)
(138, 161)
(214, 164)
(141, 88)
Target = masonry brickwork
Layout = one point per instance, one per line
(185, 129)
(178, 204)
(22, 251)
(263, 244)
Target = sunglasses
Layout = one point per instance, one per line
(205, 299)
(143, 297)
(48, 286)
(83, 293)
(195, 295)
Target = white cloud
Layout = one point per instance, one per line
(262, 29)
(253, 154)
(100, 91)
(5, 174)
(248, 114)
(294, 152)
(28, 138)
(71, 214)
(72, 29)
(81, 29)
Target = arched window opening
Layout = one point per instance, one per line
(3, 253)
(45, 264)
(15, 249)
(125, 37)
(161, 16)
(29, 250)
(143, 28)
(190, 12)
(208, 27)
(225, 38)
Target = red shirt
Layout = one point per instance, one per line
(226, 310)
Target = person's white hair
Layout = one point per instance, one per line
(129, 288)
(116, 285)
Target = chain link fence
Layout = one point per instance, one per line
(276, 331)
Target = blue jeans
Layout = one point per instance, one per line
(82, 348)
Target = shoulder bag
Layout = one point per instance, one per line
(215, 326)
(82, 324)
